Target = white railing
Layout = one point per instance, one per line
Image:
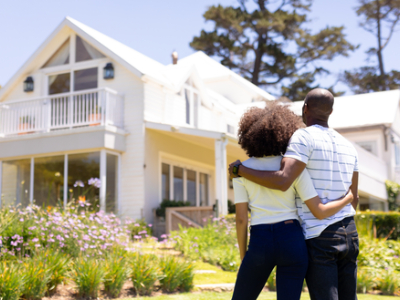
(62, 111)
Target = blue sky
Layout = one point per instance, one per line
(158, 27)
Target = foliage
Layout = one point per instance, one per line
(377, 224)
(145, 272)
(88, 274)
(116, 273)
(214, 243)
(271, 282)
(177, 274)
(376, 16)
(231, 207)
(11, 281)
(160, 211)
(256, 42)
(138, 228)
(393, 190)
(37, 273)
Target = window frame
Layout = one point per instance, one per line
(194, 106)
(186, 166)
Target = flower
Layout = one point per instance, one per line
(79, 183)
(95, 182)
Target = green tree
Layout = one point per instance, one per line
(376, 15)
(267, 43)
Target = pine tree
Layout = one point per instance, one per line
(269, 44)
(376, 15)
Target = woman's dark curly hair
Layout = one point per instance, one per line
(266, 131)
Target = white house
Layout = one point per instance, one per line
(86, 106)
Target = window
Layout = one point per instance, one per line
(192, 103)
(59, 83)
(188, 185)
(15, 182)
(84, 51)
(82, 180)
(178, 184)
(85, 79)
(60, 57)
(370, 146)
(397, 154)
(230, 129)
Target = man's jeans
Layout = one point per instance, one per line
(282, 245)
(332, 269)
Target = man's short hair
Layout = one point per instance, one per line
(319, 102)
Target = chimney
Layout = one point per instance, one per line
(174, 57)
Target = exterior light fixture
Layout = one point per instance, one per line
(28, 84)
(108, 71)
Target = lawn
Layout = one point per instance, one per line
(227, 296)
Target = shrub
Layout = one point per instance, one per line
(116, 273)
(271, 282)
(389, 282)
(88, 275)
(376, 224)
(177, 274)
(144, 272)
(58, 264)
(139, 228)
(11, 281)
(214, 243)
(160, 211)
(37, 275)
(365, 280)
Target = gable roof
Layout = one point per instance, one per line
(138, 63)
(210, 70)
(361, 110)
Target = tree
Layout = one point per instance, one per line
(255, 43)
(376, 15)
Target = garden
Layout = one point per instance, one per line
(80, 253)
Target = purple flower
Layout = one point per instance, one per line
(95, 182)
(35, 240)
(79, 183)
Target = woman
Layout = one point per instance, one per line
(276, 237)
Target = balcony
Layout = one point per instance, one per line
(62, 111)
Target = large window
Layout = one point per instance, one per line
(52, 188)
(83, 80)
(188, 184)
(192, 103)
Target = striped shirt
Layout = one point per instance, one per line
(331, 161)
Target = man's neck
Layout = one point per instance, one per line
(317, 122)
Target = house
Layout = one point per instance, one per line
(87, 116)
(372, 123)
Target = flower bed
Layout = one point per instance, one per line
(91, 250)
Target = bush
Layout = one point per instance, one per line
(271, 282)
(37, 274)
(160, 211)
(177, 274)
(389, 282)
(57, 264)
(88, 275)
(214, 243)
(11, 281)
(366, 280)
(116, 273)
(139, 228)
(144, 272)
(376, 224)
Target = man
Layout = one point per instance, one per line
(332, 163)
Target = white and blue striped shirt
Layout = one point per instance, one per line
(331, 161)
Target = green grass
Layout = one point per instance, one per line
(219, 277)
(227, 296)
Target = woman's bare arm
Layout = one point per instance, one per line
(322, 211)
(242, 219)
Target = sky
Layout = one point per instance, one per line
(156, 28)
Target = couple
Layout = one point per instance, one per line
(301, 187)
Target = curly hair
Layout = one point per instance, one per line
(267, 131)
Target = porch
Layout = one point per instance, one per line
(96, 107)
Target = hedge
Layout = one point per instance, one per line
(377, 224)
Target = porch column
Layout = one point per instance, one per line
(103, 179)
(221, 175)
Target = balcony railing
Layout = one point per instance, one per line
(62, 111)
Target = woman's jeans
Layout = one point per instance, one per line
(281, 244)
(332, 269)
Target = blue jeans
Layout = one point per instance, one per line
(282, 245)
(332, 269)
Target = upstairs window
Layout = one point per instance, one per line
(83, 51)
(84, 79)
(397, 154)
(60, 57)
(370, 146)
(192, 103)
